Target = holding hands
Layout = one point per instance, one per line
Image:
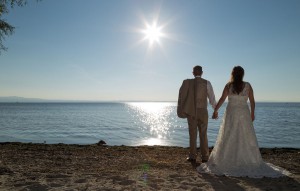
(215, 115)
(252, 116)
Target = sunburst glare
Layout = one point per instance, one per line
(153, 33)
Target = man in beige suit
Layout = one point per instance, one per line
(192, 104)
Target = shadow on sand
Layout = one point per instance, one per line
(245, 183)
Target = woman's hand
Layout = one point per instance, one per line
(215, 115)
(252, 116)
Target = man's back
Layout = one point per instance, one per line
(201, 92)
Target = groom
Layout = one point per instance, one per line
(192, 104)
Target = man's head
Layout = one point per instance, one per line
(197, 71)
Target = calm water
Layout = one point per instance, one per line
(136, 123)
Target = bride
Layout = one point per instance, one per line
(236, 152)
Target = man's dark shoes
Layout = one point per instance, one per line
(203, 161)
(190, 159)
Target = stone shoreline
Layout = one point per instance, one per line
(27, 166)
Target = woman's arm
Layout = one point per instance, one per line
(221, 101)
(252, 102)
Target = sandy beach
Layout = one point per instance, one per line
(26, 166)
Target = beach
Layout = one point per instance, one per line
(29, 166)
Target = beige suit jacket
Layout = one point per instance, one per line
(186, 99)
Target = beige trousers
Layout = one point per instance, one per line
(200, 123)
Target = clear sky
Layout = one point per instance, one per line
(101, 50)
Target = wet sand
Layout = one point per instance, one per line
(26, 166)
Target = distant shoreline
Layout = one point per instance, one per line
(50, 101)
(17, 99)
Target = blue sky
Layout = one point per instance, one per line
(93, 50)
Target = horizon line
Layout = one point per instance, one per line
(18, 99)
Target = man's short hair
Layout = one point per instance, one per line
(197, 68)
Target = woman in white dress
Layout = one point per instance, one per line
(236, 152)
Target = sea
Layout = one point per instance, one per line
(134, 124)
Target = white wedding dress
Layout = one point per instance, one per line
(236, 152)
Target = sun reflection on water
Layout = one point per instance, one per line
(152, 141)
(153, 117)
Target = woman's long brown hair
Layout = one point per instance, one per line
(236, 80)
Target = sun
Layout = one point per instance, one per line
(153, 33)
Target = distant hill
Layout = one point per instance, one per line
(16, 99)
(20, 99)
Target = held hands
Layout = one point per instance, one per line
(252, 116)
(215, 115)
